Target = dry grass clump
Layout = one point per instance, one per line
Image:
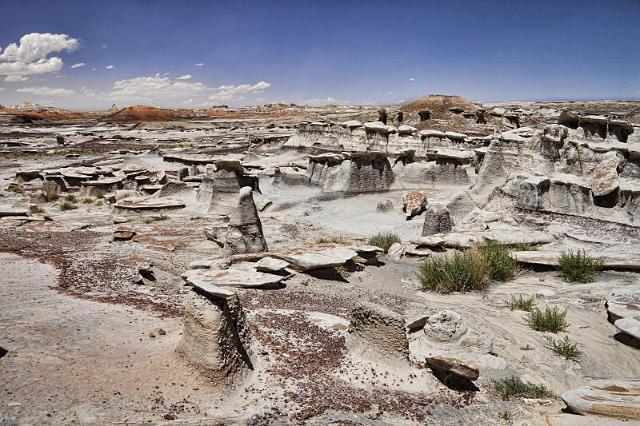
(552, 320)
(522, 304)
(455, 272)
(502, 266)
(471, 270)
(384, 240)
(514, 386)
(68, 205)
(578, 266)
(156, 218)
(333, 239)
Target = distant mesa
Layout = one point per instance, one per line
(138, 113)
(438, 106)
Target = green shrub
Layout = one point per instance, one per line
(502, 266)
(514, 386)
(87, 200)
(67, 205)
(522, 303)
(384, 240)
(566, 348)
(71, 198)
(455, 272)
(551, 319)
(578, 266)
(99, 194)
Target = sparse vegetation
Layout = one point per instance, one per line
(578, 266)
(87, 200)
(15, 189)
(99, 194)
(36, 209)
(455, 272)
(384, 206)
(552, 320)
(514, 386)
(334, 239)
(196, 218)
(68, 205)
(71, 198)
(384, 240)
(566, 348)
(51, 194)
(502, 266)
(156, 218)
(522, 303)
(526, 347)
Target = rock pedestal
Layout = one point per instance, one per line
(437, 220)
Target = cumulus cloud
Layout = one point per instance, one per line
(15, 78)
(412, 79)
(231, 92)
(163, 90)
(199, 64)
(184, 77)
(31, 54)
(46, 91)
(78, 65)
(109, 67)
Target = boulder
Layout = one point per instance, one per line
(396, 251)
(270, 264)
(149, 204)
(437, 220)
(319, 257)
(244, 233)
(610, 260)
(414, 203)
(445, 326)
(609, 398)
(605, 176)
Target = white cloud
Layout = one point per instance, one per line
(46, 91)
(109, 67)
(162, 90)
(104, 46)
(231, 92)
(412, 79)
(30, 55)
(15, 78)
(199, 64)
(93, 69)
(184, 77)
(78, 65)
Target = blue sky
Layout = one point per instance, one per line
(315, 51)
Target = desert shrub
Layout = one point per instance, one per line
(334, 239)
(156, 218)
(502, 266)
(87, 200)
(384, 206)
(36, 209)
(566, 348)
(514, 386)
(522, 303)
(99, 194)
(455, 272)
(71, 198)
(578, 266)
(67, 205)
(551, 319)
(384, 240)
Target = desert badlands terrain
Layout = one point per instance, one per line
(436, 262)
